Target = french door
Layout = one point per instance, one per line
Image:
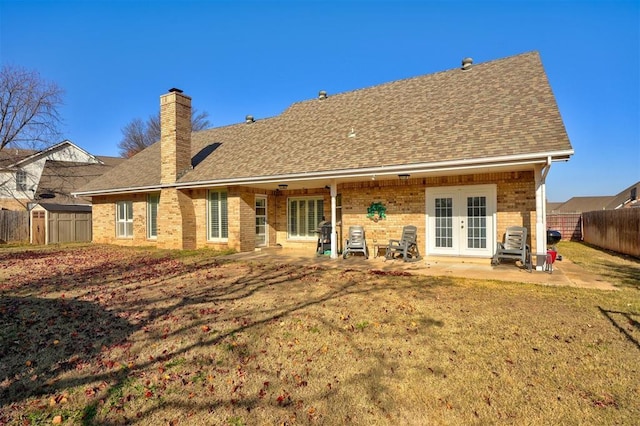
(261, 221)
(460, 220)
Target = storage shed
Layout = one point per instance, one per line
(60, 223)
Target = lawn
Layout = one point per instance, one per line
(108, 335)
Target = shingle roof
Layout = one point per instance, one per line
(624, 198)
(61, 178)
(10, 156)
(498, 108)
(582, 204)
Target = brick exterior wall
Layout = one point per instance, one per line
(405, 202)
(182, 215)
(104, 220)
(176, 220)
(175, 135)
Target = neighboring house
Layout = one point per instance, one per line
(627, 198)
(567, 217)
(27, 177)
(462, 154)
(42, 181)
(579, 205)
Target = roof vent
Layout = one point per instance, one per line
(322, 94)
(173, 89)
(466, 64)
(249, 119)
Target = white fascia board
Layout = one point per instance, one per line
(117, 191)
(459, 165)
(47, 151)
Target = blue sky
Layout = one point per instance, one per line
(114, 59)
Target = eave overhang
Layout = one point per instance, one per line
(465, 166)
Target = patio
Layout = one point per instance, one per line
(565, 272)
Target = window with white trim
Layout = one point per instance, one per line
(124, 219)
(152, 215)
(303, 217)
(218, 216)
(21, 180)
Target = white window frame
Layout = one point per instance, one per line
(217, 216)
(21, 180)
(258, 198)
(124, 219)
(310, 224)
(153, 201)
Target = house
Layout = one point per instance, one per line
(567, 217)
(28, 176)
(462, 154)
(625, 199)
(41, 182)
(580, 204)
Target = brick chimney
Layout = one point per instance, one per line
(175, 135)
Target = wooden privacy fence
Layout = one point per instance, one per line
(568, 224)
(617, 230)
(14, 226)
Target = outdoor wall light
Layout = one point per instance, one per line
(283, 186)
(404, 176)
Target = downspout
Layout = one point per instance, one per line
(541, 214)
(334, 234)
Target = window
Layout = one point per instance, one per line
(444, 222)
(21, 180)
(124, 219)
(218, 220)
(303, 217)
(152, 215)
(477, 222)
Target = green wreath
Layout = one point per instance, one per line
(377, 211)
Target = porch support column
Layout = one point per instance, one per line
(334, 234)
(541, 214)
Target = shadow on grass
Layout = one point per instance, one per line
(622, 269)
(627, 276)
(624, 322)
(43, 338)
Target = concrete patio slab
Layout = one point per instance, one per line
(565, 272)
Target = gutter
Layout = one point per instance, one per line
(513, 160)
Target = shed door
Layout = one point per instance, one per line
(460, 220)
(38, 228)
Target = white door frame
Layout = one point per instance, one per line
(459, 195)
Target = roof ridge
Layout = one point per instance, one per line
(405, 79)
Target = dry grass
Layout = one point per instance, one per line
(622, 270)
(106, 335)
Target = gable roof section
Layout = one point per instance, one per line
(61, 178)
(497, 110)
(14, 158)
(624, 199)
(9, 157)
(582, 204)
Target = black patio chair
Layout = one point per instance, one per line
(324, 238)
(406, 247)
